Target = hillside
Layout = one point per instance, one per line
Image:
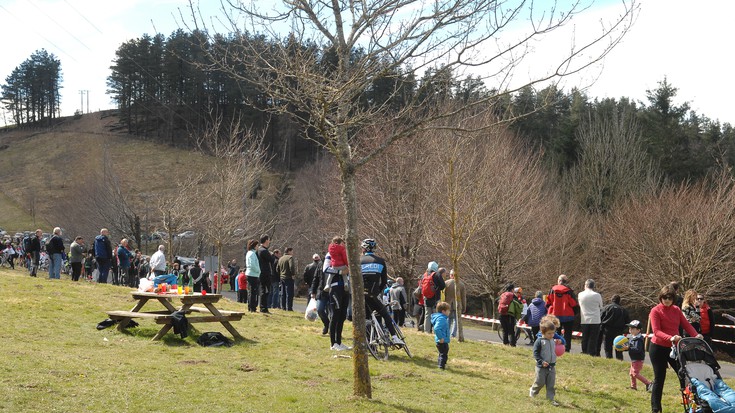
(58, 361)
(45, 167)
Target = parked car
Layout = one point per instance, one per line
(157, 235)
(187, 234)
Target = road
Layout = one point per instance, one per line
(477, 331)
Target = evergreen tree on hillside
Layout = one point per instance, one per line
(31, 91)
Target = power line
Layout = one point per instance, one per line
(42, 36)
(84, 17)
(60, 26)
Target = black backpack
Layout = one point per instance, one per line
(26, 243)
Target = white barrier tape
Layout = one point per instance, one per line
(579, 333)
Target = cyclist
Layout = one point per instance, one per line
(375, 278)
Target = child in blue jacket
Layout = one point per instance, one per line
(440, 324)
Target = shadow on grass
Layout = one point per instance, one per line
(399, 407)
(401, 357)
(175, 340)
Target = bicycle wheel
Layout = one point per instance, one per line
(500, 332)
(372, 344)
(400, 335)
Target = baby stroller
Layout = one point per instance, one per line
(704, 391)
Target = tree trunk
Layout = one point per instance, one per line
(361, 370)
(458, 307)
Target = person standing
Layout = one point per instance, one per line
(666, 320)
(103, 254)
(34, 251)
(232, 271)
(252, 271)
(310, 271)
(398, 299)
(314, 272)
(432, 284)
(562, 303)
(158, 261)
(124, 256)
(77, 251)
(450, 297)
(690, 308)
(265, 260)
(590, 303)
(54, 249)
(614, 319)
(707, 319)
(509, 308)
(286, 269)
(536, 310)
(197, 277)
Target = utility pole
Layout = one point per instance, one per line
(81, 97)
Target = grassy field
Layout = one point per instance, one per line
(56, 361)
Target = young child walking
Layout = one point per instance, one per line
(544, 351)
(637, 354)
(440, 323)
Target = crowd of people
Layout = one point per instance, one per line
(673, 318)
(267, 281)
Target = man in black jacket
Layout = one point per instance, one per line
(265, 259)
(613, 319)
(375, 278)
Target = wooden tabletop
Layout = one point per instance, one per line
(196, 298)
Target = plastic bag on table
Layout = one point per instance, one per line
(145, 285)
(311, 313)
(165, 278)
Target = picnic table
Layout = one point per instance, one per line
(165, 317)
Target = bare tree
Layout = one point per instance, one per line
(613, 163)
(225, 213)
(679, 234)
(322, 90)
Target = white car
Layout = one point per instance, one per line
(187, 234)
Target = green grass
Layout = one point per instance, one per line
(55, 360)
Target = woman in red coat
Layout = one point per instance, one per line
(666, 319)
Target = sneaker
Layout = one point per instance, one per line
(555, 403)
(345, 347)
(633, 388)
(335, 347)
(530, 392)
(325, 331)
(649, 387)
(397, 341)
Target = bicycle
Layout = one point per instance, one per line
(379, 339)
(520, 329)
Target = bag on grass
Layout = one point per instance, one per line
(213, 339)
(311, 313)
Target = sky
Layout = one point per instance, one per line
(682, 41)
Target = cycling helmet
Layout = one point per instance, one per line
(368, 244)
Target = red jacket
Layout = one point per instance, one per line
(561, 301)
(665, 323)
(242, 281)
(338, 252)
(707, 324)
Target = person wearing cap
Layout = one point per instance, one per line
(562, 303)
(317, 282)
(310, 270)
(666, 319)
(637, 352)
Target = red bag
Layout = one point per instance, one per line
(504, 303)
(428, 288)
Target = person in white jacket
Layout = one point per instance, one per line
(158, 261)
(590, 303)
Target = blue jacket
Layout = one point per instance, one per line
(440, 323)
(536, 310)
(124, 256)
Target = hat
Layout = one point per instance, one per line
(433, 267)
(634, 324)
(315, 257)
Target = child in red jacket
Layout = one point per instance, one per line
(242, 287)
